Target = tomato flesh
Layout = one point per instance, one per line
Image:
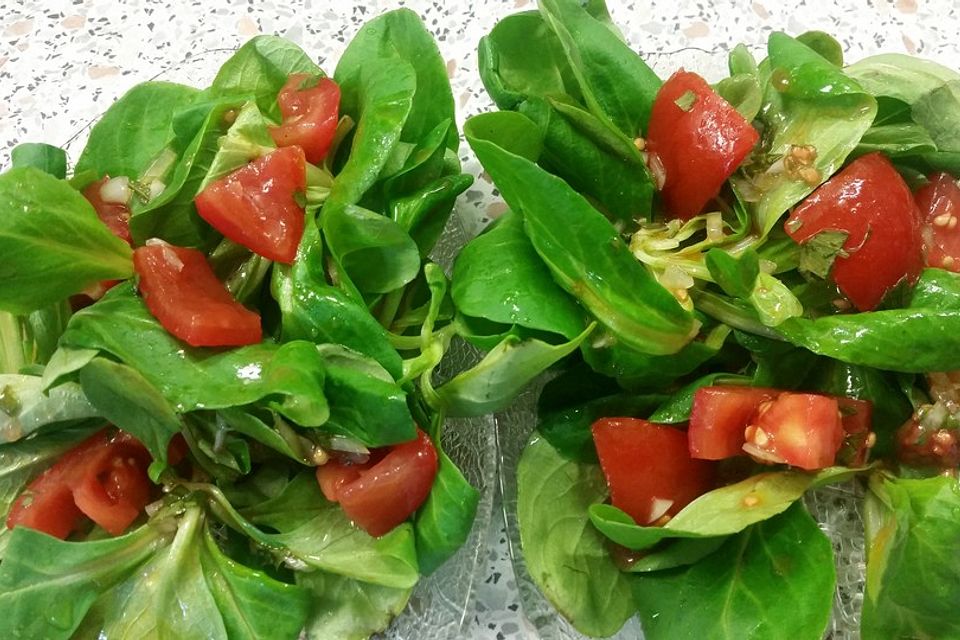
(310, 115)
(648, 468)
(255, 206)
(103, 478)
(799, 429)
(699, 139)
(870, 202)
(381, 494)
(719, 416)
(939, 203)
(115, 215)
(184, 295)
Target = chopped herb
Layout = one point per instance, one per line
(687, 100)
(818, 253)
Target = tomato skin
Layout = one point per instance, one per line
(699, 148)
(870, 201)
(799, 429)
(116, 216)
(719, 416)
(255, 206)
(184, 295)
(939, 203)
(104, 478)
(310, 116)
(381, 494)
(648, 468)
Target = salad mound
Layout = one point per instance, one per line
(741, 292)
(218, 339)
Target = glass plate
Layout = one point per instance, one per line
(441, 605)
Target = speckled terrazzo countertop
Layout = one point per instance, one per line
(62, 63)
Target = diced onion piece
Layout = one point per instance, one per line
(714, 221)
(674, 278)
(116, 190)
(659, 508)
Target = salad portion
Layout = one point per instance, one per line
(218, 339)
(742, 292)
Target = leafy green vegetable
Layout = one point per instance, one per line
(52, 241)
(939, 113)
(565, 555)
(260, 68)
(134, 130)
(31, 339)
(735, 275)
(63, 579)
(502, 374)
(677, 408)
(46, 157)
(773, 581)
(586, 255)
(900, 76)
(444, 521)
(807, 101)
(345, 609)
(125, 398)
(720, 512)
(617, 85)
(912, 577)
(26, 408)
(289, 376)
(500, 277)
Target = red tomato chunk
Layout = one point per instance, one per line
(115, 215)
(103, 478)
(648, 468)
(699, 139)
(939, 203)
(870, 202)
(255, 205)
(719, 416)
(182, 292)
(310, 108)
(799, 429)
(382, 493)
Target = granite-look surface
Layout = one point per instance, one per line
(62, 63)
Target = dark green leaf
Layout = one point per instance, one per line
(824, 44)
(288, 377)
(260, 68)
(46, 157)
(774, 581)
(616, 84)
(896, 140)
(134, 130)
(677, 408)
(622, 186)
(500, 277)
(939, 113)
(586, 255)
(401, 34)
(442, 525)
(503, 373)
(52, 242)
(125, 398)
(736, 276)
(365, 402)
(511, 75)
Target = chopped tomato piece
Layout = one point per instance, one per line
(183, 293)
(856, 419)
(115, 215)
(799, 429)
(648, 468)
(310, 108)
(939, 203)
(870, 202)
(699, 139)
(104, 477)
(381, 494)
(255, 205)
(719, 416)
